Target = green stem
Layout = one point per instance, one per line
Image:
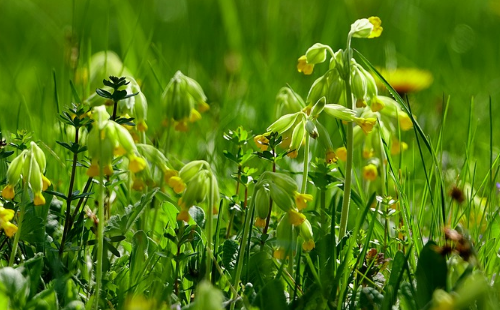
(100, 240)
(19, 224)
(209, 223)
(306, 165)
(241, 254)
(346, 201)
(69, 199)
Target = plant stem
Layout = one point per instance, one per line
(268, 219)
(19, 224)
(115, 106)
(346, 201)
(69, 197)
(241, 254)
(306, 165)
(209, 223)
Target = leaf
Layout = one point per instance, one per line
(431, 273)
(198, 215)
(58, 194)
(391, 289)
(138, 257)
(74, 92)
(103, 93)
(230, 254)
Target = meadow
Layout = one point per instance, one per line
(219, 154)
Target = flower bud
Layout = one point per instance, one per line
(283, 123)
(358, 81)
(340, 112)
(307, 234)
(318, 89)
(287, 101)
(262, 202)
(311, 129)
(39, 156)
(370, 172)
(366, 28)
(296, 218)
(15, 168)
(318, 107)
(190, 170)
(335, 89)
(194, 89)
(316, 54)
(304, 66)
(282, 198)
(323, 136)
(284, 181)
(298, 135)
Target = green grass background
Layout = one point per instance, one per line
(242, 52)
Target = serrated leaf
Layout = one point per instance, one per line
(198, 215)
(230, 254)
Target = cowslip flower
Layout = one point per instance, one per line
(108, 139)
(366, 28)
(6, 215)
(301, 200)
(28, 166)
(262, 142)
(184, 100)
(303, 66)
(370, 172)
(341, 153)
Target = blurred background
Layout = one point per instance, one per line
(243, 52)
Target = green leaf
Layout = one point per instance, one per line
(198, 215)
(103, 93)
(230, 254)
(391, 289)
(431, 273)
(138, 257)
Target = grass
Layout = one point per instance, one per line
(422, 235)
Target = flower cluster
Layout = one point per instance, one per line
(184, 100)
(149, 176)
(195, 182)
(108, 139)
(28, 166)
(283, 191)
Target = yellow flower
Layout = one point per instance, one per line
(142, 126)
(93, 170)
(296, 218)
(302, 199)
(308, 245)
(377, 29)
(368, 153)
(177, 184)
(168, 174)
(279, 253)
(293, 154)
(262, 142)
(183, 215)
(194, 116)
(9, 229)
(405, 121)
(181, 126)
(8, 192)
(260, 222)
(366, 124)
(407, 80)
(360, 103)
(119, 151)
(331, 158)
(398, 147)
(136, 163)
(46, 183)
(138, 185)
(341, 153)
(203, 107)
(370, 172)
(108, 170)
(303, 66)
(377, 105)
(39, 200)
(6, 214)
